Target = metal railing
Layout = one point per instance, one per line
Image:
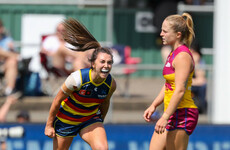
(153, 67)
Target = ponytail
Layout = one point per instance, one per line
(189, 34)
(183, 24)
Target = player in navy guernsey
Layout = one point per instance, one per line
(83, 100)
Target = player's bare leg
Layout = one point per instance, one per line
(95, 136)
(62, 143)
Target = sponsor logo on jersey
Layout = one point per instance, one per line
(167, 65)
(101, 96)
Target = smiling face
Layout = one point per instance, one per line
(169, 36)
(101, 66)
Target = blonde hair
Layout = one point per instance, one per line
(78, 36)
(184, 24)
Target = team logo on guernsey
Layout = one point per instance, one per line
(85, 92)
(167, 65)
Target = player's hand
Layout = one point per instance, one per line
(160, 125)
(50, 132)
(148, 113)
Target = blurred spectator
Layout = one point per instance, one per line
(8, 60)
(10, 100)
(116, 57)
(59, 56)
(82, 59)
(22, 117)
(199, 82)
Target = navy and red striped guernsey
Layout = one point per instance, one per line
(84, 103)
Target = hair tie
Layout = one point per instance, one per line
(184, 17)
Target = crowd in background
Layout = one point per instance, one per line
(64, 61)
(58, 59)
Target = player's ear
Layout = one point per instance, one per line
(178, 35)
(92, 65)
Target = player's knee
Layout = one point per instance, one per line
(100, 146)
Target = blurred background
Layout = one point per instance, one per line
(132, 28)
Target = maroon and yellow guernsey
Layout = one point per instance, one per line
(169, 75)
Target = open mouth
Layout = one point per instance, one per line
(105, 70)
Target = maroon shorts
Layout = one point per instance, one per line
(185, 118)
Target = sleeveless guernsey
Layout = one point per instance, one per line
(84, 102)
(169, 75)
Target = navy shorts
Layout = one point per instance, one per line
(68, 130)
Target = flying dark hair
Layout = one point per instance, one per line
(81, 39)
(78, 36)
